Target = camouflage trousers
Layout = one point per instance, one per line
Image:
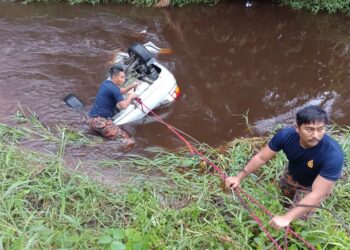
(106, 128)
(293, 190)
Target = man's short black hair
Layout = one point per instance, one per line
(115, 70)
(311, 114)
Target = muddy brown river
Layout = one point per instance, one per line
(237, 67)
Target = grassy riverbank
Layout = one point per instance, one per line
(329, 6)
(45, 206)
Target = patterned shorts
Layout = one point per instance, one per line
(291, 188)
(106, 128)
(294, 191)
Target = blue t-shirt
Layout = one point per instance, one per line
(325, 159)
(107, 98)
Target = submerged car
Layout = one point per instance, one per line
(157, 86)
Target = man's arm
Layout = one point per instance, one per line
(321, 187)
(125, 103)
(253, 165)
(127, 89)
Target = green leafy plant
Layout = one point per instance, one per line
(315, 6)
(120, 239)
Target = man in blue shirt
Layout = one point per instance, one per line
(315, 163)
(108, 101)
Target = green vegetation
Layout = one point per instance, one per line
(45, 206)
(145, 3)
(330, 6)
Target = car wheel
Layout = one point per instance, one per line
(140, 52)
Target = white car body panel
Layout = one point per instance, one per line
(152, 93)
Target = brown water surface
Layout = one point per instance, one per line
(230, 61)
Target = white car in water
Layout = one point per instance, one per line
(157, 85)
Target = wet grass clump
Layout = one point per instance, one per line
(45, 206)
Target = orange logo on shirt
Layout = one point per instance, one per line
(310, 163)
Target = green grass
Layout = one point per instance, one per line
(329, 6)
(144, 3)
(315, 6)
(45, 206)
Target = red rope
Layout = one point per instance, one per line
(298, 236)
(216, 168)
(251, 199)
(159, 119)
(266, 211)
(237, 191)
